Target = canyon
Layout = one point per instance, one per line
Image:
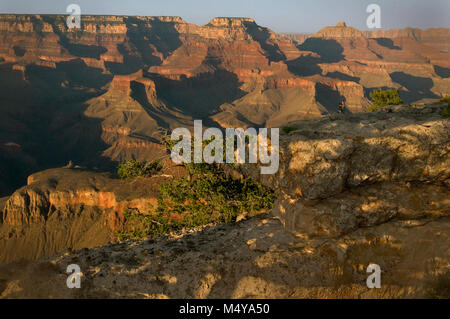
(331, 220)
(107, 92)
(353, 187)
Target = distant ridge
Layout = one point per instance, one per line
(110, 91)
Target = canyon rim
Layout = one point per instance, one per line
(86, 175)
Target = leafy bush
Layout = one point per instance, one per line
(215, 196)
(140, 225)
(383, 98)
(445, 99)
(206, 196)
(289, 129)
(210, 197)
(133, 169)
(446, 111)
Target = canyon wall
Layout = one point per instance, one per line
(109, 91)
(69, 209)
(346, 172)
(354, 190)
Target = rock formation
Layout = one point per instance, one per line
(436, 37)
(341, 30)
(345, 172)
(71, 208)
(109, 90)
(354, 190)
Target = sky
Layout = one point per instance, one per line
(293, 16)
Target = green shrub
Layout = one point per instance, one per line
(206, 196)
(383, 98)
(445, 99)
(446, 111)
(210, 197)
(133, 169)
(289, 129)
(140, 225)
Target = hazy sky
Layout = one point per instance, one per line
(279, 15)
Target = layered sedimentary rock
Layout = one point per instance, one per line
(398, 59)
(345, 172)
(254, 259)
(110, 91)
(435, 37)
(69, 209)
(354, 190)
(340, 31)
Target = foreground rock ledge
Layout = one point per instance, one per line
(344, 172)
(251, 259)
(353, 190)
(68, 208)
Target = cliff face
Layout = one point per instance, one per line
(436, 38)
(106, 93)
(340, 31)
(64, 209)
(354, 190)
(342, 173)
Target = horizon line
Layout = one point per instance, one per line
(225, 17)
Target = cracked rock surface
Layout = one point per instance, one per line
(353, 191)
(252, 259)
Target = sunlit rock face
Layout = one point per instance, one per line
(109, 91)
(341, 30)
(354, 190)
(72, 208)
(341, 173)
